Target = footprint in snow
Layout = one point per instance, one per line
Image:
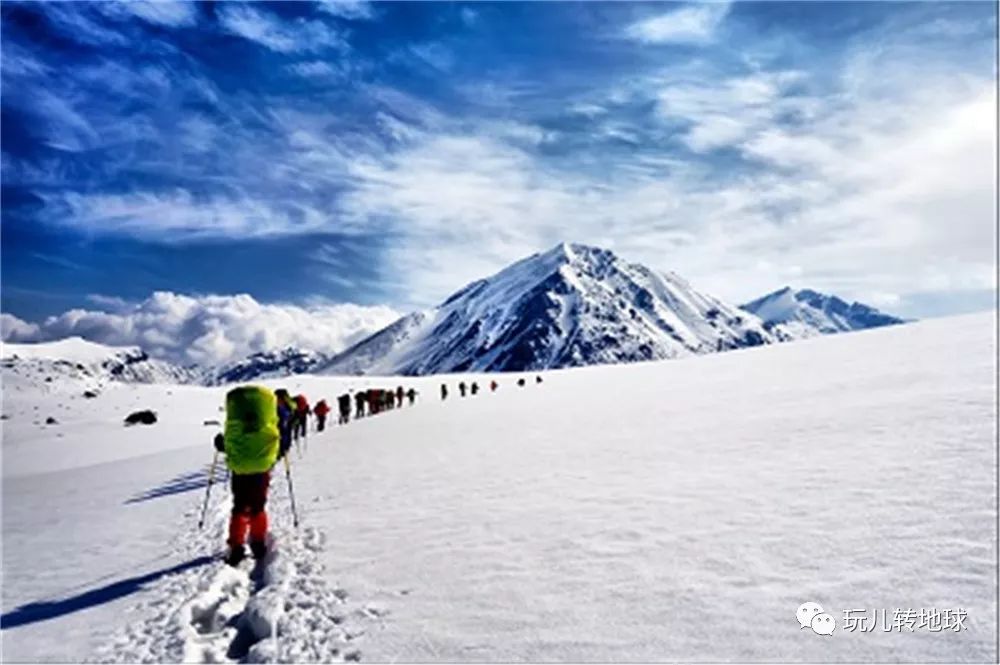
(285, 611)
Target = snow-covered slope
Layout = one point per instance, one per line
(571, 306)
(378, 350)
(806, 313)
(82, 364)
(663, 511)
(269, 364)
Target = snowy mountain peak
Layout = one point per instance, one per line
(808, 312)
(581, 255)
(567, 252)
(571, 305)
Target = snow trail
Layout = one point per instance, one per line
(281, 609)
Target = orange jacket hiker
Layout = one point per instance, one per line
(251, 444)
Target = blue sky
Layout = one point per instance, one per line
(388, 153)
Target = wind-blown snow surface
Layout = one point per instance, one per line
(661, 511)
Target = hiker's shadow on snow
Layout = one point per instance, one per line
(185, 482)
(42, 611)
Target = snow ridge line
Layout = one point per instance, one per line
(281, 609)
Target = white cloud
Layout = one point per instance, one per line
(15, 330)
(713, 131)
(721, 114)
(783, 148)
(296, 36)
(589, 110)
(319, 69)
(82, 23)
(21, 63)
(862, 197)
(466, 227)
(392, 127)
(469, 16)
(208, 330)
(172, 13)
(435, 54)
(348, 9)
(64, 126)
(694, 24)
(870, 173)
(109, 303)
(184, 217)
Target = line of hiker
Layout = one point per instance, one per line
(261, 426)
(473, 388)
(363, 403)
(373, 401)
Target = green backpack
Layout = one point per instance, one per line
(251, 429)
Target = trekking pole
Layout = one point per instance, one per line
(291, 491)
(208, 490)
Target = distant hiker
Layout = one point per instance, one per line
(520, 382)
(321, 410)
(359, 404)
(252, 443)
(344, 407)
(461, 388)
(493, 386)
(475, 388)
(302, 412)
(444, 391)
(411, 395)
(388, 401)
(538, 379)
(399, 395)
(286, 418)
(373, 403)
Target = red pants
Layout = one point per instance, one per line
(249, 497)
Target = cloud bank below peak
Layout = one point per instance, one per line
(206, 330)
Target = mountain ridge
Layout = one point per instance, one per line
(808, 312)
(572, 305)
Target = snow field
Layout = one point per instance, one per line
(674, 511)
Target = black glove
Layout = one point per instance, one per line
(220, 443)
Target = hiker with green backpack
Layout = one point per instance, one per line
(257, 435)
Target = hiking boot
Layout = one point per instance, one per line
(235, 555)
(258, 549)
